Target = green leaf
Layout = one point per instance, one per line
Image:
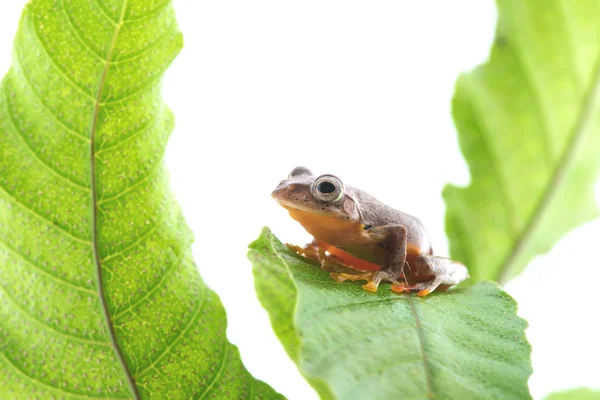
(99, 295)
(528, 123)
(349, 343)
(576, 394)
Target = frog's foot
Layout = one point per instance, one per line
(445, 272)
(313, 252)
(296, 249)
(422, 288)
(373, 278)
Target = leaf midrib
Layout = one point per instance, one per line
(99, 283)
(557, 177)
(421, 336)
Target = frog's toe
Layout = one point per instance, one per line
(400, 287)
(427, 287)
(373, 278)
(371, 286)
(422, 288)
(339, 277)
(312, 252)
(306, 251)
(342, 276)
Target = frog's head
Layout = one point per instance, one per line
(309, 197)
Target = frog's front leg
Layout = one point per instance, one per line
(393, 239)
(432, 271)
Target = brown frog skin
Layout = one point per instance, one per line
(354, 230)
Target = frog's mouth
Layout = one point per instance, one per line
(295, 208)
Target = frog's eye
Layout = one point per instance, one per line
(328, 188)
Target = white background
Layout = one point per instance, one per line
(359, 89)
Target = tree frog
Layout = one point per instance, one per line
(370, 241)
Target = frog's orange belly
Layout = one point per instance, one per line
(348, 260)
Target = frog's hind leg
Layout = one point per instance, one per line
(441, 270)
(393, 240)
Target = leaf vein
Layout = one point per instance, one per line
(106, 14)
(156, 10)
(77, 35)
(142, 52)
(274, 272)
(135, 184)
(225, 352)
(145, 128)
(137, 242)
(251, 389)
(500, 177)
(362, 304)
(42, 270)
(50, 387)
(153, 288)
(21, 136)
(94, 214)
(143, 89)
(167, 349)
(421, 337)
(540, 111)
(572, 57)
(58, 69)
(50, 328)
(42, 217)
(68, 129)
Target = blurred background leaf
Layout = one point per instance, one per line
(576, 394)
(529, 128)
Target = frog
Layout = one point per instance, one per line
(358, 238)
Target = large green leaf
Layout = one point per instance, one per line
(529, 127)
(99, 295)
(352, 344)
(576, 394)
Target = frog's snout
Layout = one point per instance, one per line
(274, 193)
(283, 190)
(292, 195)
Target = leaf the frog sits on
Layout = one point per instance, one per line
(354, 230)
